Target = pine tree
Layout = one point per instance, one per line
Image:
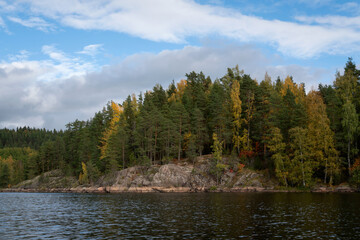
(262, 116)
(180, 119)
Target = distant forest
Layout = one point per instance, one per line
(300, 138)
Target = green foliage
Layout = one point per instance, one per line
(217, 148)
(300, 166)
(4, 175)
(191, 147)
(277, 147)
(18, 164)
(300, 137)
(350, 124)
(218, 164)
(213, 188)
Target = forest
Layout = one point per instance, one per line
(300, 137)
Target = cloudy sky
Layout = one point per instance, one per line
(62, 60)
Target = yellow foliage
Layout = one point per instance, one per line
(236, 110)
(296, 89)
(179, 91)
(236, 104)
(320, 136)
(83, 177)
(117, 111)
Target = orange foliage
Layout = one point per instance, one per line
(247, 154)
(356, 165)
(240, 167)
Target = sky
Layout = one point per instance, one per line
(62, 60)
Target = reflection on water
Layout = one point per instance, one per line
(180, 216)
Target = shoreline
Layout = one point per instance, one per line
(114, 190)
(169, 178)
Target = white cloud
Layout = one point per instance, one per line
(91, 50)
(3, 26)
(4, 6)
(54, 54)
(176, 20)
(61, 66)
(310, 76)
(36, 121)
(20, 56)
(28, 98)
(34, 22)
(332, 21)
(316, 3)
(352, 7)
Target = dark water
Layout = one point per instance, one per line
(180, 216)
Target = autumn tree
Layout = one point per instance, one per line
(116, 111)
(301, 167)
(83, 177)
(350, 123)
(320, 137)
(277, 148)
(236, 110)
(217, 156)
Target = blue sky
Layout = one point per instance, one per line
(65, 59)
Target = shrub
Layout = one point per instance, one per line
(355, 171)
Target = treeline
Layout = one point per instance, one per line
(24, 153)
(300, 137)
(26, 137)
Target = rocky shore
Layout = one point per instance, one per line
(163, 179)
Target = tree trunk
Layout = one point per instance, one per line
(248, 137)
(179, 149)
(325, 171)
(123, 154)
(348, 156)
(283, 168)
(156, 133)
(302, 167)
(168, 145)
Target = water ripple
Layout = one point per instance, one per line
(179, 216)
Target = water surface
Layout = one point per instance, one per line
(180, 216)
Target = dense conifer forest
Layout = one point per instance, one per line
(300, 138)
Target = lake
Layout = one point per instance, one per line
(180, 216)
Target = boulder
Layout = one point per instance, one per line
(172, 175)
(248, 178)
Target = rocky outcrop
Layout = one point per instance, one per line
(165, 178)
(172, 175)
(49, 180)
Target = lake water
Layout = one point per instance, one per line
(180, 216)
